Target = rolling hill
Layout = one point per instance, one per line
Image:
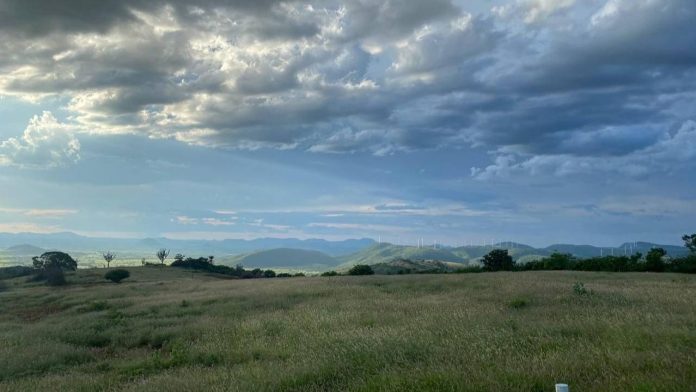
(385, 253)
(286, 258)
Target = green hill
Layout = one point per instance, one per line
(385, 253)
(285, 258)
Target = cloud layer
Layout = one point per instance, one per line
(553, 86)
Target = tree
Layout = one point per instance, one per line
(59, 260)
(117, 275)
(108, 257)
(498, 260)
(653, 260)
(690, 241)
(211, 259)
(269, 274)
(162, 255)
(361, 269)
(50, 265)
(179, 257)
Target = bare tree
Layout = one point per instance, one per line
(108, 257)
(162, 255)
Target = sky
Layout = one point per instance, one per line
(462, 122)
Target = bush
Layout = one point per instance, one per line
(54, 276)
(361, 269)
(299, 275)
(3, 286)
(284, 275)
(117, 275)
(269, 274)
(329, 273)
(579, 289)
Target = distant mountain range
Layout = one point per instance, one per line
(71, 242)
(291, 253)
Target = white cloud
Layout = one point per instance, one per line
(45, 143)
(40, 212)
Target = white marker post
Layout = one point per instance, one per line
(562, 388)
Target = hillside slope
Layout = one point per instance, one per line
(384, 253)
(285, 257)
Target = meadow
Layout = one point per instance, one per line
(165, 329)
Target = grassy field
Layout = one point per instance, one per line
(169, 330)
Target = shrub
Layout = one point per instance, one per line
(329, 273)
(117, 275)
(361, 269)
(299, 275)
(284, 275)
(579, 289)
(3, 286)
(54, 276)
(269, 274)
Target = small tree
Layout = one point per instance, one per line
(690, 241)
(498, 260)
(108, 257)
(361, 269)
(653, 260)
(162, 255)
(179, 258)
(269, 274)
(117, 275)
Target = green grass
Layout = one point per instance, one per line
(170, 330)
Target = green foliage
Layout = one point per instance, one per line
(690, 241)
(284, 275)
(329, 273)
(579, 289)
(498, 260)
(117, 275)
(299, 274)
(162, 255)
(206, 264)
(55, 259)
(654, 261)
(108, 257)
(361, 269)
(3, 286)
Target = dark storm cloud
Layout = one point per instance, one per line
(579, 79)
